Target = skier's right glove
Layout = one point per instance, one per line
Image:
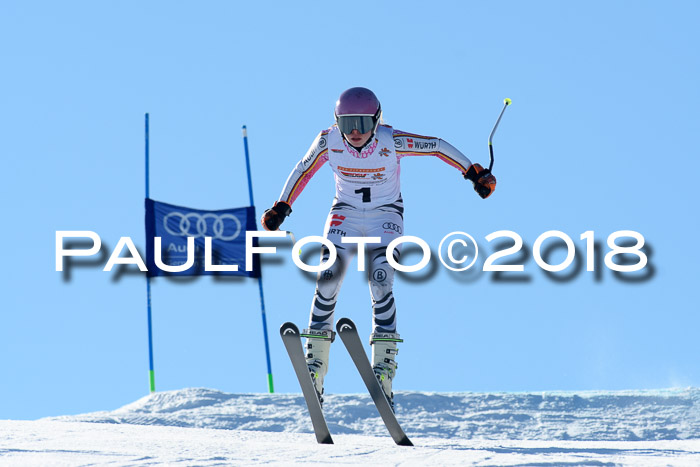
(483, 180)
(273, 217)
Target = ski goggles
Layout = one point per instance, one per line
(361, 123)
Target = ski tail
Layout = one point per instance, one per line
(292, 342)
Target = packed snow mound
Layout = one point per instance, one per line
(672, 414)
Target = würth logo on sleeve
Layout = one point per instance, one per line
(336, 220)
(410, 142)
(426, 144)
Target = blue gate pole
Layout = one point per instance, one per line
(270, 384)
(151, 372)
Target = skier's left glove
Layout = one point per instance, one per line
(483, 180)
(273, 217)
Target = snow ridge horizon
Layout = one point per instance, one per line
(633, 415)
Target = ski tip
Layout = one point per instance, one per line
(326, 440)
(344, 324)
(289, 328)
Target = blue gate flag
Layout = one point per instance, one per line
(174, 224)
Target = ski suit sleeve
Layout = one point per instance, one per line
(315, 157)
(409, 144)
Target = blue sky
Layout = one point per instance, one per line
(601, 136)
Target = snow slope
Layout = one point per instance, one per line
(208, 427)
(25, 443)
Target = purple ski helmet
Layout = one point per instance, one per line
(357, 109)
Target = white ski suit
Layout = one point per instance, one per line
(367, 204)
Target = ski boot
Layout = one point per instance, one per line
(384, 361)
(318, 346)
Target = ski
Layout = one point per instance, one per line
(292, 342)
(348, 333)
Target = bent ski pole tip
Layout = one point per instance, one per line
(507, 101)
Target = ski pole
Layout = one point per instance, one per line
(294, 240)
(506, 103)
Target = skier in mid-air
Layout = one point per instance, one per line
(365, 157)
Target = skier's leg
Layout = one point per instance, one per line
(384, 337)
(381, 283)
(387, 225)
(341, 223)
(328, 285)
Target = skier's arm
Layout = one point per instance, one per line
(408, 144)
(315, 157)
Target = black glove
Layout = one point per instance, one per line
(483, 180)
(273, 217)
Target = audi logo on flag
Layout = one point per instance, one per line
(392, 226)
(225, 227)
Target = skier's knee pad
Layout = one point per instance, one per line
(333, 276)
(328, 282)
(381, 282)
(381, 275)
